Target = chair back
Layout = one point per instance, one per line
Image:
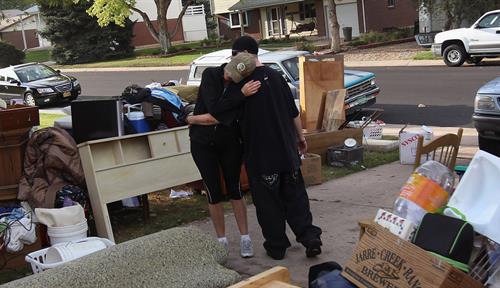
(443, 149)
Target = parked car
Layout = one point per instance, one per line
(38, 84)
(486, 116)
(361, 87)
(470, 44)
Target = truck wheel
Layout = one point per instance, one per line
(489, 145)
(474, 60)
(454, 55)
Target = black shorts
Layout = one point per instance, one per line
(210, 159)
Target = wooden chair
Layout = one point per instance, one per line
(443, 149)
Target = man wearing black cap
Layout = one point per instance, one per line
(272, 136)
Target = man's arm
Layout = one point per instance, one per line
(301, 140)
(203, 119)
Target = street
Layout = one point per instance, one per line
(447, 93)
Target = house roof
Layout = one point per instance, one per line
(8, 13)
(252, 4)
(7, 22)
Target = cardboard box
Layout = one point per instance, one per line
(408, 141)
(311, 169)
(383, 260)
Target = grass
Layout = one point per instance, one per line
(47, 119)
(425, 55)
(182, 59)
(37, 56)
(371, 159)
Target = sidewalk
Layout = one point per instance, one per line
(337, 207)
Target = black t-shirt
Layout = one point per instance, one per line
(223, 108)
(266, 119)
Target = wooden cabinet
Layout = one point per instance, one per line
(127, 166)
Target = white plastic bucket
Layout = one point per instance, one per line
(67, 233)
(65, 252)
(477, 197)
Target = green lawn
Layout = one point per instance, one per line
(37, 56)
(371, 159)
(142, 61)
(425, 55)
(47, 119)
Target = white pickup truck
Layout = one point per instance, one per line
(470, 44)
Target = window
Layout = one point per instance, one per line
(199, 71)
(34, 72)
(234, 20)
(490, 21)
(391, 3)
(2, 78)
(307, 10)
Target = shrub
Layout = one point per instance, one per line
(306, 46)
(10, 55)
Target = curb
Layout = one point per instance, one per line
(126, 69)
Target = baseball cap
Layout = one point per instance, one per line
(240, 67)
(246, 43)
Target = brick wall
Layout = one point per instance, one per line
(143, 37)
(253, 28)
(379, 16)
(16, 38)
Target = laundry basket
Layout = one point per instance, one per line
(486, 265)
(370, 131)
(38, 259)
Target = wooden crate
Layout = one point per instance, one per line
(382, 260)
(318, 75)
(319, 142)
(277, 277)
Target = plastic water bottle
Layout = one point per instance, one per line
(427, 190)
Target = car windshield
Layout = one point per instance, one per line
(34, 72)
(292, 65)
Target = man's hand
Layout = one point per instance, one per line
(302, 146)
(250, 88)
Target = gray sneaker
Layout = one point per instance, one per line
(246, 248)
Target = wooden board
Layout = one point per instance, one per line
(274, 277)
(319, 142)
(318, 75)
(122, 167)
(382, 259)
(334, 113)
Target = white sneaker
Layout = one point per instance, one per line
(246, 248)
(225, 244)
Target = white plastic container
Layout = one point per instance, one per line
(67, 233)
(477, 196)
(38, 259)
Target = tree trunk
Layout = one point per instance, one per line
(334, 26)
(163, 35)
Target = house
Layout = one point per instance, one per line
(20, 28)
(292, 18)
(193, 26)
(382, 15)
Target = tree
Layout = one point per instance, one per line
(77, 38)
(334, 26)
(117, 11)
(10, 55)
(457, 11)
